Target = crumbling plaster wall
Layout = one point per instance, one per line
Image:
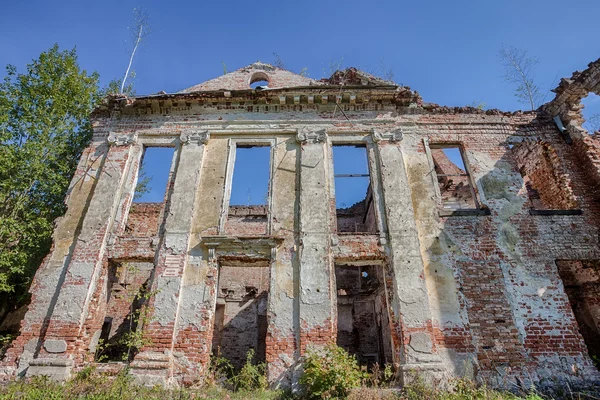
(446, 276)
(51, 273)
(497, 298)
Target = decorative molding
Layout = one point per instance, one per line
(115, 139)
(199, 137)
(307, 135)
(394, 135)
(212, 254)
(273, 253)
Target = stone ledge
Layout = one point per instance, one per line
(431, 373)
(55, 368)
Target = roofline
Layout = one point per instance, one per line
(273, 90)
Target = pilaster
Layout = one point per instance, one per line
(170, 320)
(314, 249)
(410, 304)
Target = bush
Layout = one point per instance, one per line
(251, 376)
(331, 373)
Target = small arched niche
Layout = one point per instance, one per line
(259, 80)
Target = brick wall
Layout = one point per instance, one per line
(144, 219)
(486, 289)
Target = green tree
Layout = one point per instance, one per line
(44, 127)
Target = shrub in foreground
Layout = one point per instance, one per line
(331, 373)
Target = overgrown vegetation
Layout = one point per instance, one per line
(519, 69)
(329, 373)
(89, 384)
(5, 341)
(251, 377)
(44, 128)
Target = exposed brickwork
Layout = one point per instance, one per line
(500, 291)
(144, 219)
(547, 182)
(241, 79)
(246, 220)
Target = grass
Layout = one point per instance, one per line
(329, 373)
(93, 386)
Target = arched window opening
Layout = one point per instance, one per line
(259, 80)
(591, 112)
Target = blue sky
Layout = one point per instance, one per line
(446, 50)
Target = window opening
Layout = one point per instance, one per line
(262, 84)
(127, 291)
(591, 113)
(581, 280)
(154, 175)
(363, 326)
(248, 204)
(241, 313)
(454, 181)
(355, 209)
(259, 80)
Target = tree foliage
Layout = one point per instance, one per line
(44, 127)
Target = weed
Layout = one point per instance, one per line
(251, 376)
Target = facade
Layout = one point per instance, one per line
(473, 250)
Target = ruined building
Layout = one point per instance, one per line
(471, 249)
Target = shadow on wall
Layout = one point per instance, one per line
(241, 326)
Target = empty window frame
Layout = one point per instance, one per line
(453, 179)
(240, 323)
(154, 175)
(363, 325)
(250, 175)
(355, 209)
(127, 288)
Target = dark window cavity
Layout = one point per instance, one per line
(240, 324)
(126, 291)
(581, 280)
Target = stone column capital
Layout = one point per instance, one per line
(393, 135)
(308, 135)
(119, 139)
(197, 136)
